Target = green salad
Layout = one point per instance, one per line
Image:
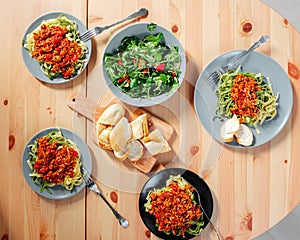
(144, 68)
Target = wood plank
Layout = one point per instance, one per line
(253, 189)
(27, 112)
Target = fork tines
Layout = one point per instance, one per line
(212, 79)
(214, 76)
(85, 174)
(88, 35)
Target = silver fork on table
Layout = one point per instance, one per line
(96, 30)
(213, 77)
(92, 186)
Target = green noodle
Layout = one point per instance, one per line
(196, 227)
(266, 100)
(69, 182)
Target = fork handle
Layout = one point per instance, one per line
(142, 12)
(262, 40)
(123, 222)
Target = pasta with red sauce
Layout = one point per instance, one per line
(55, 160)
(55, 44)
(175, 209)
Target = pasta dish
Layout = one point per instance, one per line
(55, 44)
(175, 209)
(246, 96)
(55, 160)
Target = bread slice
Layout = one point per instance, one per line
(244, 135)
(155, 143)
(120, 135)
(123, 154)
(112, 114)
(103, 138)
(229, 128)
(135, 150)
(139, 126)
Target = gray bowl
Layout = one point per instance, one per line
(140, 30)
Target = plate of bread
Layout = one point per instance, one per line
(127, 133)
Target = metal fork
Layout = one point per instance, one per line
(96, 30)
(205, 214)
(92, 186)
(214, 76)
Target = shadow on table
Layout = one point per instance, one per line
(287, 228)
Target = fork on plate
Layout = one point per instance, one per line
(208, 218)
(92, 186)
(214, 76)
(96, 30)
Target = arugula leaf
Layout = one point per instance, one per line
(144, 68)
(151, 26)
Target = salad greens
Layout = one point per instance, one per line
(144, 68)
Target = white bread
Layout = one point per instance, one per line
(139, 127)
(99, 128)
(120, 135)
(244, 135)
(155, 143)
(229, 128)
(103, 138)
(112, 114)
(123, 154)
(135, 150)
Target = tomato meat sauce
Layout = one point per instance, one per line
(174, 209)
(244, 95)
(54, 48)
(55, 162)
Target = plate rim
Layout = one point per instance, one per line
(181, 171)
(87, 160)
(27, 59)
(287, 114)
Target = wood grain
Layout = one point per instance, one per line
(253, 189)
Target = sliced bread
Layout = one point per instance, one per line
(139, 126)
(229, 128)
(244, 135)
(112, 114)
(120, 135)
(155, 143)
(135, 150)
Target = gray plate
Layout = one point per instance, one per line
(34, 66)
(205, 98)
(58, 192)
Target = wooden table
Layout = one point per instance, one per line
(253, 189)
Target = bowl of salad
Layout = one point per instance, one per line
(144, 64)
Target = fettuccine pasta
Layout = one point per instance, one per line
(55, 44)
(55, 160)
(175, 209)
(247, 96)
